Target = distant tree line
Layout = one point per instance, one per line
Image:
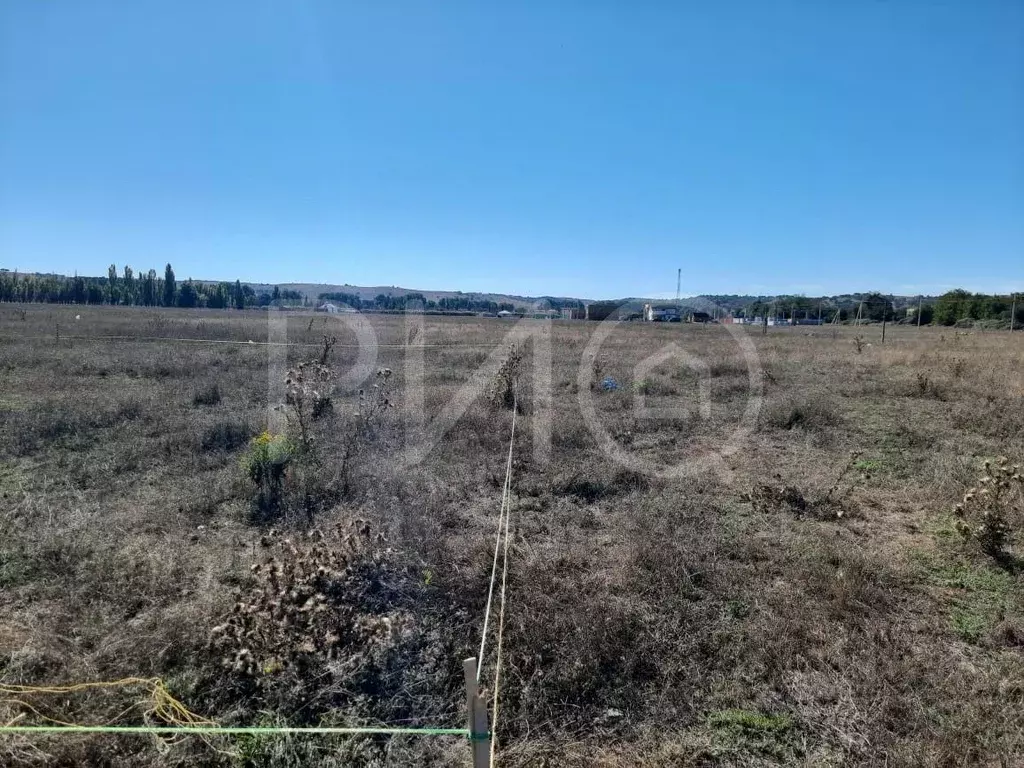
(948, 309)
(959, 305)
(143, 289)
(387, 302)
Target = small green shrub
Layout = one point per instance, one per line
(266, 463)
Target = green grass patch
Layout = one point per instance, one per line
(980, 595)
(746, 720)
(868, 465)
(969, 624)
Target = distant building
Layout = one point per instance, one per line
(661, 313)
(329, 308)
(505, 313)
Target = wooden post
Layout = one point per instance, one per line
(860, 309)
(920, 301)
(1013, 311)
(883, 326)
(476, 719)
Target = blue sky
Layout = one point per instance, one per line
(570, 148)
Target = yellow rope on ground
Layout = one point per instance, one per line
(162, 705)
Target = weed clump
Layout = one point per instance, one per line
(325, 622)
(208, 395)
(308, 389)
(266, 464)
(505, 384)
(989, 510)
(225, 435)
(374, 403)
(771, 499)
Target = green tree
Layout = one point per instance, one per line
(952, 306)
(187, 296)
(112, 292)
(876, 307)
(220, 298)
(927, 314)
(148, 289)
(170, 288)
(239, 295)
(77, 291)
(128, 286)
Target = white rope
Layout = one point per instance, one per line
(502, 516)
(501, 637)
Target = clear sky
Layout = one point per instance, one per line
(572, 148)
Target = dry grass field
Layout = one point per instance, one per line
(806, 599)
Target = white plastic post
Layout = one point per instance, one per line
(476, 719)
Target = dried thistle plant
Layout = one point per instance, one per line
(505, 384)
(374, 402)
(304, 610)
(990, 509)
(328, 342)
(308, 390)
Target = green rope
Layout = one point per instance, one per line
(212, 730)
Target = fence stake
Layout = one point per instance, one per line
(476, 719)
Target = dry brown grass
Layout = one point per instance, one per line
(651, 621)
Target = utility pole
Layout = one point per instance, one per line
(1013, 311)
(920, 302)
